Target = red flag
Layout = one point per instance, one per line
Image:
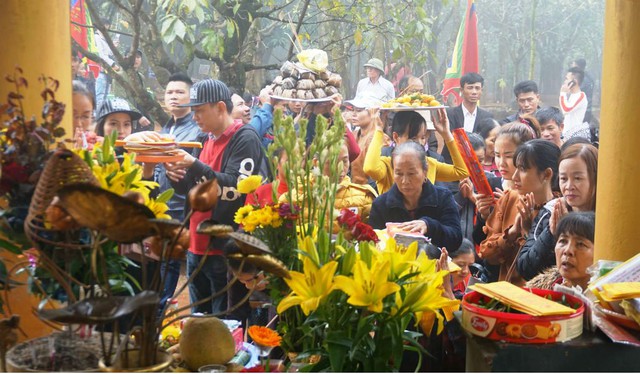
(78, 18)
(465, 54)
(82, 32)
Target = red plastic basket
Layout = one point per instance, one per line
(520, 327)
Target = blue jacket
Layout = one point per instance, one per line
(435, 206)
(262, 121)
(185, 129)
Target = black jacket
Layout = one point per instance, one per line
(243, 156)
(537, 253)
(436, 208)
(456, 121)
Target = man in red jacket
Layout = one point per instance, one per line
(231, 152)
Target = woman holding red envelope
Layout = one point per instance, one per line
(496, 218)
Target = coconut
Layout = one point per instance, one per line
(206, 341)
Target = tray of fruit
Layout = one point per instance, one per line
(415, 101)
(488, 318)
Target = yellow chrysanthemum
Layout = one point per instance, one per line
(242, 213)
(249, 184)
(250, 223)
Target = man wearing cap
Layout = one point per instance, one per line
(230, 153)
(374, 85)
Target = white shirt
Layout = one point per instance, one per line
(103, 48)
(574, 108)
(469, 118)
(381, 90)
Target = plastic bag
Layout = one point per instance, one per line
(314, 59)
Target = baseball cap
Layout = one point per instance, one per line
(118, 105)
(208, 91)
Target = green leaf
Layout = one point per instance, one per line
(180, 29)
(230, 27)
(235, 8)
(338, 346)
(165, 196)
(199, 13)
(168, 29)
(348, 260)
(188, 5)
(167, 23)
(357, 37)
(130, 178)
(10, 245)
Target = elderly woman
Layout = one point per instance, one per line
(573, 252)
(414, 202)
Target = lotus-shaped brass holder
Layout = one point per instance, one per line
(123, 220)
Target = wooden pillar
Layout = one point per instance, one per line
(618, 200)
(35, 35)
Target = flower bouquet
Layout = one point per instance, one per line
(346, 301)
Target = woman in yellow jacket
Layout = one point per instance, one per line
(411, 126)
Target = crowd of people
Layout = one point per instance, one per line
(536, 227)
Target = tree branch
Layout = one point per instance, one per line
(303, 13)
(205, 56)
(250, 67)
(109, 30)
(272, 10)
(123, 7)
(95, 16)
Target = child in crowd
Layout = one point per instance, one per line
(464, 257)
(488, 130)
